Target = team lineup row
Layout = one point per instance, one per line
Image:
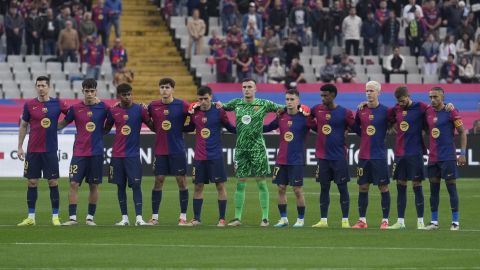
(169, 117)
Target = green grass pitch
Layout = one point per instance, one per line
(249, 246)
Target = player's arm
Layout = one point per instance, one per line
(463, 137)
(226, 122)
(271, 126)
(22, 132)
(146, 119)
(109, 122)
(274, 107)
(229, 106)
(357, 124)
(190, 127)
(67, 119)
(391, 121)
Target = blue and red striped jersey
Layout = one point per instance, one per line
(441, 133)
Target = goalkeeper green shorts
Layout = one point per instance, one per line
(251, 163)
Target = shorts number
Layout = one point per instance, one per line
(25, 167)
(359, 171)
(193, 173)
(275, 172)
(111, 172)
(73, 169)
(317, 172)
(394, 168)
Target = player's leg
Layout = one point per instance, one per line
(385, 202)
(324, 175)
(380, 177)
(261, 169)
(341, 178)
(133, 168)
(363, 173)
(222, 203)
(242, 171)
(32, 194)
(160, 169)
(178, 166)
(434, 174)
(51, 172)
(92, 204)
(399, 173)
(197, 204)
(118, 176)
(450, 174)
(282, 206)
(300, 198)
(94, 178)
(72, 204)
(419, 203)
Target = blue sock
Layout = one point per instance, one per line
(197, 208)
(419, 200)
(72, 209)
(386, 204)
(183, 201)
(92, 208)
(434, 199)
(282, 208)
(401, 200)
(122, 198)
(452, 191)
(301, 212)
(156, 199)
(344, 199)
(137, 199)
(362, 203)
(324, 200)
(32, 194)
(222, 207)
(54, 199)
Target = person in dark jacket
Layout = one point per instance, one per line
(370, 33)
(14, 25)
(50, 32)
(390, 30)
(33, 30)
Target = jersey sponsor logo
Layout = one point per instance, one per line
(371, 117)
(326, 129)
(205, 133)
(166, 125)
(404, 126)
(371, 130)
(288, 136)
(90, 126)
(435, 133)
(246, 119)
(45, 123)
(126, 130)
(44, 110)
(125, 117)
(89, 114)
(328, 116)
(458, 123)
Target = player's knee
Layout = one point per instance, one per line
(182, 182)
(363, 188)
(198, 188)
(159, 180)
(93, 187)
(282, 189)
(32, 183)
(434, 180)
(450, 182)
(383, 188)
(324, 187)
(298, 192)
(417, 183)
(52, 183)
(402, 182)
(241, 186)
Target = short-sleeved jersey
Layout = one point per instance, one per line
(331, 126)
(372, 124)
(249, 118)
(89, 121)
(293, 132)
(168, 120)
(441, 133)
(43, 120)
(128, 123)
(208, 126)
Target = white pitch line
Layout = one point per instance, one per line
(242, 246)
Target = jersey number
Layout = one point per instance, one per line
(73, 169)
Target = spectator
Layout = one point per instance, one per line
(263, 6)
(93, 52)
(449, 72)
(345, 71)
(214, 41)
(99, 17)
(476, 56)
(298, 20)
(87, 26)
(77, 16)
(196, 31)
(68, 43)
(410, 10)
(370, 33)
(234, 37)
(277, 18)
(327, 72)
(63, 17)
(252, 15)
(251, 36)
(271, 44)
(433, 18)
(464, 47)
(465, 70)
(118, 56)
(244, 63)
(430, 52)
(465, 28)
(33, 30)
(338, 14)
(228, 15)
(452, 17)
(475, 130)
(276, 72)
(292, 48)
(394, 64)
(114, 11)
(50, 32)
(316, 16)
(223, 58)
(14, 25)
(204, 13)
(396, 6)
(260, 65)
(364, 7)
(446, 48)
(390, 31)
(123, 75)
(295, 74)
(471, 19)
(323, 29)
(351, 30)
(382, 13)
(414, 33)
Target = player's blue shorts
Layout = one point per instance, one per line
(373, 171)
(90, 168)
(125, 170)
(332, 170)
(170, 165)
(38, 163)
(288, 175)
(443, 169)
(206, 171)
(408, 168)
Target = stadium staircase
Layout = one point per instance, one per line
(152, 53)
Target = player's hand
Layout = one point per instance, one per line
(97, 100)
(21, 154)
(117, 104)
(219, 104)
(280, 111)
(449, 107)
(192, 107)
(461, 160)
(392, 131)
(143, 105)
(361, 105)
(304, 109)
